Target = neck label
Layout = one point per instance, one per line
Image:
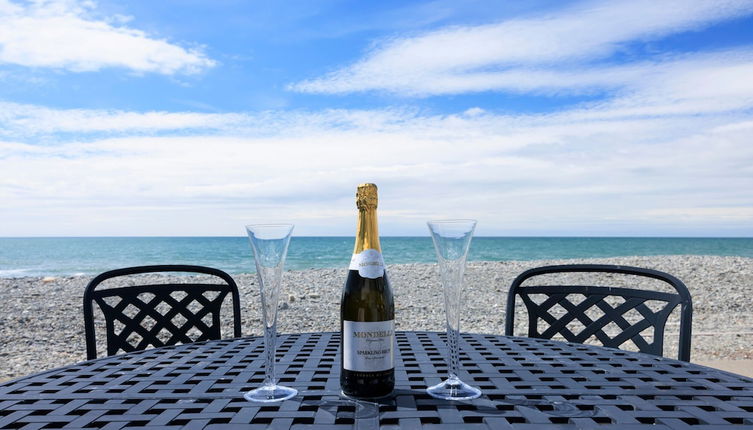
(369, 264)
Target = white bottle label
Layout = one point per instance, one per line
(368, 346)
(369, 264)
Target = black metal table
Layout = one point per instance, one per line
(527, 384)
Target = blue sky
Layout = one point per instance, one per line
(536, 118)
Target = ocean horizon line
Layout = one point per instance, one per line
(392, 236)
(68, 255)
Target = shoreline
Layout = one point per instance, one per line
(42, 320)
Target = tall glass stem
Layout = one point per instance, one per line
(270, 347)
(453, 336)
(451, 273)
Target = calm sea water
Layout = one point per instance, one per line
(92, 255)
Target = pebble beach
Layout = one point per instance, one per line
(41, 323)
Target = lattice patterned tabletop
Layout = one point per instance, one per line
(527, 384)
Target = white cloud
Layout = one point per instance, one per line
(713, 214)
(29, 122)
(26, 120)
(71, 39)
(569, 173)
(532, 54)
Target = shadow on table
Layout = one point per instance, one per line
(365, 413)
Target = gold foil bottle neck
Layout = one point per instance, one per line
(367, 231)
(366, 197)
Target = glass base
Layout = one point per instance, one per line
(453, 388)
(270, 393)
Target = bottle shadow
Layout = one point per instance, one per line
(365, 413)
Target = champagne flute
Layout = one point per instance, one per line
(452, 239)
(270, 244)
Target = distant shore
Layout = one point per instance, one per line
(41, 322)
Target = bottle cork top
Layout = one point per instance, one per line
(366, 197)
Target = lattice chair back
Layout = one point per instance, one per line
(142, 316)
(611, 315)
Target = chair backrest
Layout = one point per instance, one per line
(140, 316)
(587, 309)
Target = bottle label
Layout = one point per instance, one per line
(369, 264)
(368, 346)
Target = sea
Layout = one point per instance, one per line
(82, 256)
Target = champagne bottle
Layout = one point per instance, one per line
(367, 311)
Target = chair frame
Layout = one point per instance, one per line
(634, 299)
(114, 343)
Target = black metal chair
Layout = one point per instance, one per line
(140, 316)
(575, 325)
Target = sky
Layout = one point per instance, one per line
(537, 118)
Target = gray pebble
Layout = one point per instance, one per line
(41, 321)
